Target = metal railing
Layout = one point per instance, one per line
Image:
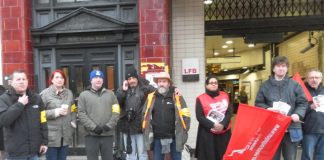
(260, 9)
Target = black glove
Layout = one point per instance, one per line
(105, 128)
(98, 130)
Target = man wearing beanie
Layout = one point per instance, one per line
(131, 96)
(98, 110)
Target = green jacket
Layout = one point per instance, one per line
(58, 127)
(98, 108)
(182, 123)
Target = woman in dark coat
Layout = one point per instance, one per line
(214, 116)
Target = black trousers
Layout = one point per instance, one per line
(96, 144)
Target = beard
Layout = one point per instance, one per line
(163, 90)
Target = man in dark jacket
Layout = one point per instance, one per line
(166, 120)
(313, 142)
(2, 90)
(23, 117)
(132, 96)
(282, 94)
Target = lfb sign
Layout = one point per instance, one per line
(190, 69)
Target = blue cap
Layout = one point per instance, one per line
(96, 73)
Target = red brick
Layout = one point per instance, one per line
(8, 3)
(147, 27)
(10, 23)
(160, 51)
(154, 15)
(6, 12)
(7, 35)
(153, 39)
(12, 46)
(147, 51)
(16, 11)
(16, 35)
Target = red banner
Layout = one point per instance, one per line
(257, 134)
(298, 79)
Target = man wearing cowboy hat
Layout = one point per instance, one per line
(166, 120)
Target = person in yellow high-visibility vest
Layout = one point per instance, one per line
(166, 120)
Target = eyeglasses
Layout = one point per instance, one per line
(314, 78)
(213, 83)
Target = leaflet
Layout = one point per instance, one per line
(282, 107)
(319, 103)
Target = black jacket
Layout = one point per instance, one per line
(2, 90)
(133, 99)
(163, 114)
(23, 131)
(286, 90)
(314, 121)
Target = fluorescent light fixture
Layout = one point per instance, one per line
(216, 53)
(230, 50)
(208, 2)
(251, 45)
(225, 70)
(224, 46)
(229, 42)
(244, 67)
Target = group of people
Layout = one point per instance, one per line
(150, 118)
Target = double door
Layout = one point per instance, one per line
(77, 63)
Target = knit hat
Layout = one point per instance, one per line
(96, 73)
(132, 72)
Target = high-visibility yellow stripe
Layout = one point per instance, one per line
(116, 108)
(43, 117)
(178, 104)
(74, 108)
(149, 102)
(185, 112)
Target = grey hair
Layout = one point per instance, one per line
(315, 70)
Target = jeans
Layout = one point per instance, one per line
(313, 147)
(158, 155)
(29, 158)
(288, 149)
(57, 153)
(138, 148)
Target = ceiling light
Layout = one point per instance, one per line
(229, 42)
(244, 67)
(208, 2)
(230, 50)
(224, 46)
(216, 53)
(251, 45)
(225, 70)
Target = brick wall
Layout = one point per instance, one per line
(188, 42)
(154, 22)
(16, 37)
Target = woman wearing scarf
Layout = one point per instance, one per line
(214, 116)
(61, 121)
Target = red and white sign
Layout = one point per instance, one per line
(190, 66)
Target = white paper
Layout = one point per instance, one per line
(319, 103)
(215, 116)
(282, 107)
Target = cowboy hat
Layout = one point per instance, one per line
(162, 75)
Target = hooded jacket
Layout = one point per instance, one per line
(286, 90)
(25, 127)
